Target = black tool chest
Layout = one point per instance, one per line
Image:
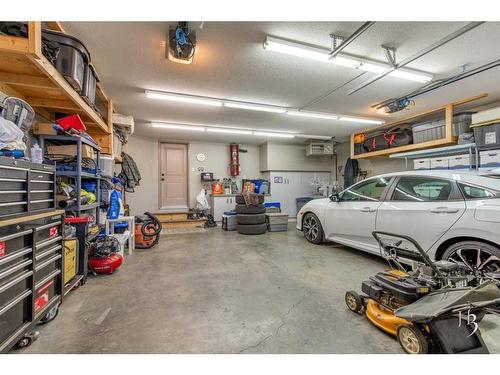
(25, 187)
(31, 276)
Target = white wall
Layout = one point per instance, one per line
(283, 157)
(145, 152)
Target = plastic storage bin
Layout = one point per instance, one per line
(277, 222)
(89, 84)
(487, 136)
(428, 131)
(440, 163)
(462, 161)
(490, 159)
(106, 165)
(72, 59)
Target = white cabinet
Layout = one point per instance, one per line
(220, 204)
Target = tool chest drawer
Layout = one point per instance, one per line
(25, 187)
(46, 291)
(14, 314)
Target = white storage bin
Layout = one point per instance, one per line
(422, 164)
(106, 164)
(440, 163)
(490, 159)
(461, 161)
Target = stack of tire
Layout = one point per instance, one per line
(251, 219)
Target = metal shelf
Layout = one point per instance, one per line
(75, 174)
(72, 140)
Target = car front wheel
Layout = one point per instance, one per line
(311, 226)
(480, 257)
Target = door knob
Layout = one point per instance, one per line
(367, 209)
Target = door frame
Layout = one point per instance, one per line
(160, 206)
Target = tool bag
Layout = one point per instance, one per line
(397, 136)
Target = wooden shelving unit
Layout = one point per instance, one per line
(27, 74)
(445, 112)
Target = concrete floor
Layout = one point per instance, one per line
(221, 292)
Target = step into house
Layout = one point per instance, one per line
(172, 220)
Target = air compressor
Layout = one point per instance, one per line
(147, 231)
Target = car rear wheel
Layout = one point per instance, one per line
(311, 226)
(480, 257)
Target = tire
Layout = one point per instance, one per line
(241, 200)
(252, 229)
(353, 301)
(313, 231)
(412, 340)
(242, 209)
(24, 342)
(249, 219)
(467, 252)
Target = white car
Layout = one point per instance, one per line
(453, 215)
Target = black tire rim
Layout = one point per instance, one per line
(478, 260)
(311, 228)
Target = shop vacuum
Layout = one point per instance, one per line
(147, 231)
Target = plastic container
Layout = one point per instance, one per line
(428, 131)
(272, 204)
(36, 154)
(106, 165)
(487, 136)
(89, 185)
(276, 219)
(89, 85)
(277, 227)
(72, 59)
(71, 122)
(300, 202)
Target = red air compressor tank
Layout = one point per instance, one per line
(234, 155)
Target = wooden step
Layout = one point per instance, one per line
(165, 217)
(187, 223)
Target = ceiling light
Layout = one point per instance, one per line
(177, 126)
(327, 116)
(183, 98)
(278, 135)
(309, 136)
(323, 54)
(361, 120)
(255, 107)
(228, 131)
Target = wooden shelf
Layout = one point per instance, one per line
(27, 74)
(440, 112)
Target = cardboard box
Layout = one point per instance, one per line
(43, 128)
(70, 259)
(461, 161)
(490, 159)
(87, 151)
(422, 164)
(117, 145)
(440, 163)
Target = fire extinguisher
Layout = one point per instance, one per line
(235, 159)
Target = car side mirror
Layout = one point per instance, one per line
(335, 197)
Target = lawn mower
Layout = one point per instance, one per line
(147, 231)
(434, 308)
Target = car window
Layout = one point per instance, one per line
(370, 190)
(422, 189)
(474, 192)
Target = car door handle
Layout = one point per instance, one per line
(445, 210)
(367, 209)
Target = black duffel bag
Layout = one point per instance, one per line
(397, 136)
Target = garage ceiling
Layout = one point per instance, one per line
(230, 63)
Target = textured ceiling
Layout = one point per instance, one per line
(231, 63)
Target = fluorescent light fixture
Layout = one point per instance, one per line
(183, 98)
(255, 107)
(310, 136)
(229, 131)
(177, 126)
(322, 54)
(360, 120)
(326, 116)
(277, 135)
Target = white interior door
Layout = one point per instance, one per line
(173, 176)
